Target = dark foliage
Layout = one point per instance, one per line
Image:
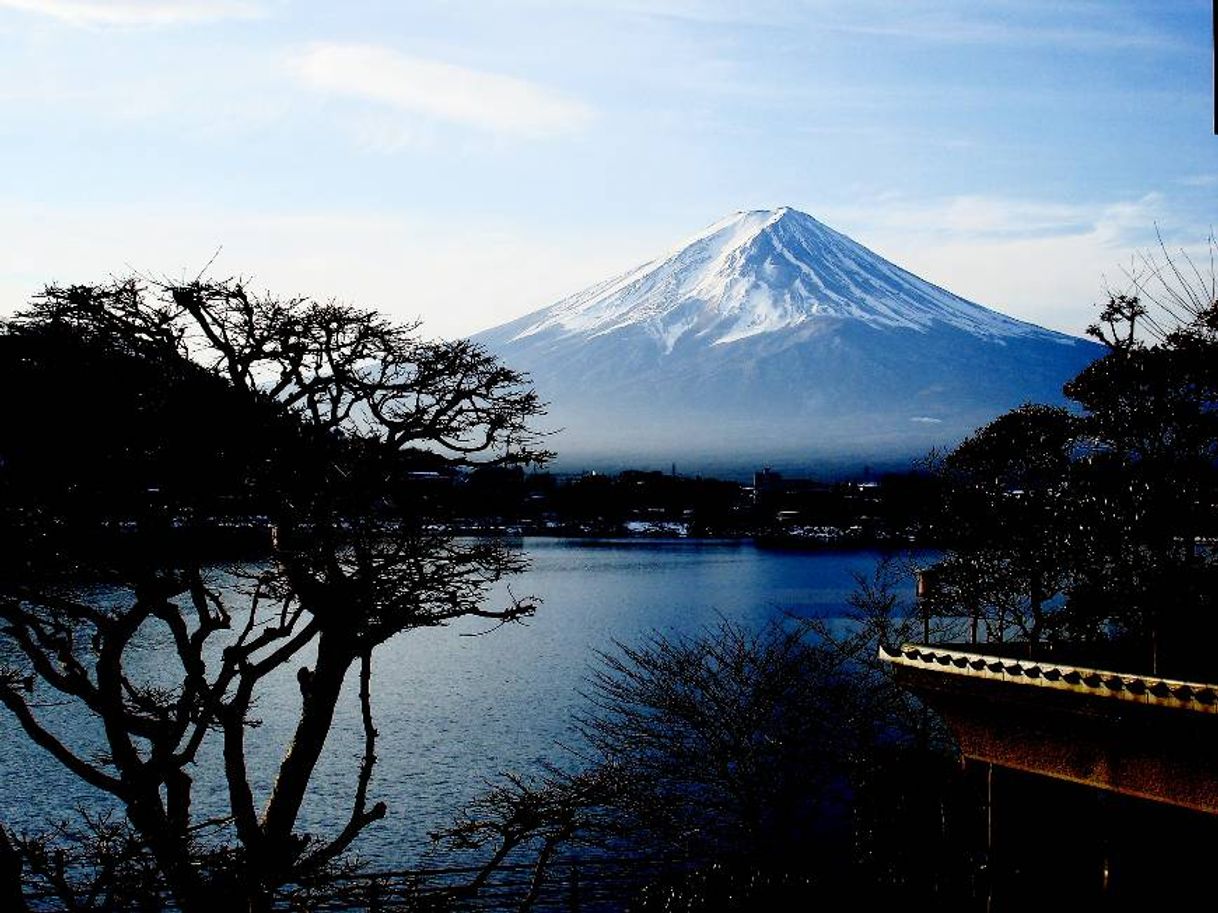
(151, 414)
(1099, 525)
(744, 768)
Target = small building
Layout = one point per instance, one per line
(1099, 789)
(1137, 735)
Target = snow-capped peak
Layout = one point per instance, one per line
(762, 271)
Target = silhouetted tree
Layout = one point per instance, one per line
(1013, 524)
(774, 765)
(1093, 524)
(331, 397)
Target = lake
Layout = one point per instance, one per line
(454, 711)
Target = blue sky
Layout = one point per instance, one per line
(470, 160)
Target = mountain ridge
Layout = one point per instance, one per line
(768, 324)
(742, 239)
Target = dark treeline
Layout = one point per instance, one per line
(113, 432)
(100, 431)
(896, 508)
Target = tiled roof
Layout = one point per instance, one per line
(1101, 683)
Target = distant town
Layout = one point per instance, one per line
(775, 510)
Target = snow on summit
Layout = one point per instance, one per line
(762, 271)
(771, 339)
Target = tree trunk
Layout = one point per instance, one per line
(11, 897)
(1037, 600)
(170, 849)
(319, 694)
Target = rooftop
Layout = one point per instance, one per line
(1102, 683)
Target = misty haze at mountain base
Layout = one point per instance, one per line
(770, 339)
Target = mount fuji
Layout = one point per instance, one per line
(772, 339)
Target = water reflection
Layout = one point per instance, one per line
(455, 709)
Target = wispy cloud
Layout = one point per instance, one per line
(443, 91)
(983, 217)
(1082, 27)
(137, 12)
(1200, 180)
(710, 12)
(1002, 34)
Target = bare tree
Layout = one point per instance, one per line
(1170, 297)
(345, 394)
(723, 747)
(771, 765)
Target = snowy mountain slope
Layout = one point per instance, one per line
(769, 337)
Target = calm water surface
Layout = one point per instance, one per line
(454, 711)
